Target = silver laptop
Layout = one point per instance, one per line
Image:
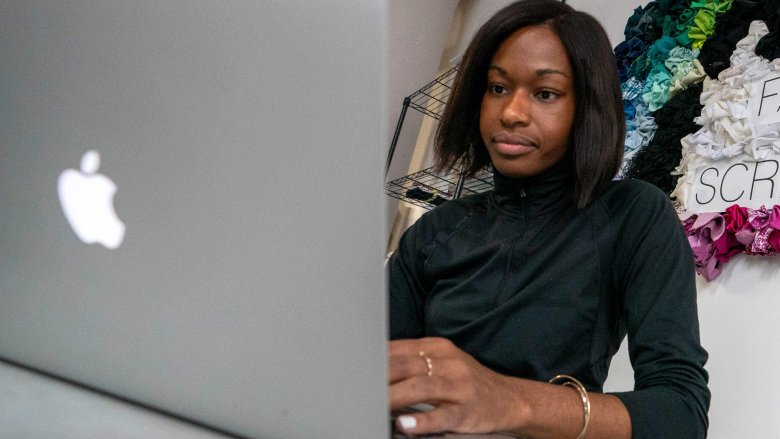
(192, 203)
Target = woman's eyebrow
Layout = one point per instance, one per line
(501, 71)
(539, 72)
(542, 72)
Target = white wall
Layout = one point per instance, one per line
(739, 313)
(612, 14)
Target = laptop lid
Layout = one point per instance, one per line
(237, 280)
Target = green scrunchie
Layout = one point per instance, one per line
(704, 21)
(683, 26)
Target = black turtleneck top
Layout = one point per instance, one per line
(532, 287)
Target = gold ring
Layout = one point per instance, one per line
(428, 363)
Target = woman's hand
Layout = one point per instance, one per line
(467, 396)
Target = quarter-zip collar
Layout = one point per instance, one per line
(551, 190)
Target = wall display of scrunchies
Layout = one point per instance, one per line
(701, 91)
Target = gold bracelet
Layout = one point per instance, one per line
(573, 382)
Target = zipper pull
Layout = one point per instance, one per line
(522, 193)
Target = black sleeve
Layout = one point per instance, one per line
(405, 285)
(670, 397)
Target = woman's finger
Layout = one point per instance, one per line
(434, 345)
(408, 358)
(414, 390)
(443, 418)
(406, 366)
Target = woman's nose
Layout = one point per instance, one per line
(516, 111)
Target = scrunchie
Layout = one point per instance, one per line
(640, 129)
(626, 52)
(655, 162)
(769, 46)
(656, 90)
(730, 27)
(704, 21)
(644, 23)
(682, 26)
(682, 78)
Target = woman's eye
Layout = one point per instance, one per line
(546, 95)
(496, 89)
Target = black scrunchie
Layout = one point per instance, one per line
(771, 14)
(677, 7)
(655, 162)
(769, 46)
(730, 27)
(646, 23)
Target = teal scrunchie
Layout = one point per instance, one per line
(656, 91)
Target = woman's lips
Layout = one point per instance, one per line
(507, 144)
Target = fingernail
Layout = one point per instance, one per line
(407, 422)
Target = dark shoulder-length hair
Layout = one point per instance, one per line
(598, 131)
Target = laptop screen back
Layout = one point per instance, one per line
(237, 279)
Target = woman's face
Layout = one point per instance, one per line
(528, 108)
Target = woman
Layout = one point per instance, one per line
(493, 295)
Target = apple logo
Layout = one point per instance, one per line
(87, 199)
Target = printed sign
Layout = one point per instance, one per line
(764, 100)
(734, 181)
